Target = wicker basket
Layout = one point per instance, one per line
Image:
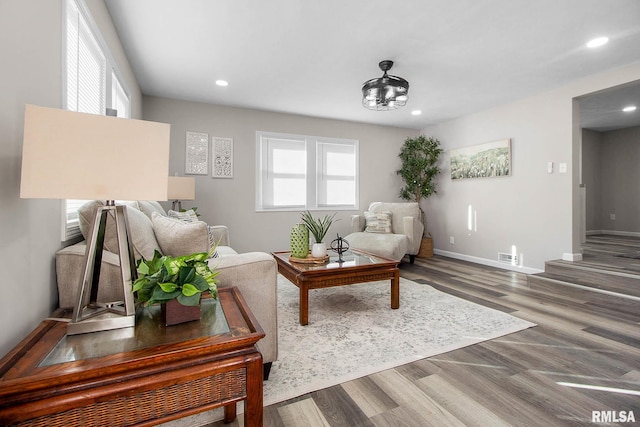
(426, 248)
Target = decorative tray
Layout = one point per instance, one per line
(309, 259)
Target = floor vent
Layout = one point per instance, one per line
(508, 258)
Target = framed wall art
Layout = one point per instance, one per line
(491, 159)
(222, 166)
(197, 154)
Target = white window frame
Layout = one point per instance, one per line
(315, 174)
(113, 91)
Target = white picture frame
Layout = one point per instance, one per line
(222, 164)
(197, 153)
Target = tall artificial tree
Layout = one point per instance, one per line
(419, 158)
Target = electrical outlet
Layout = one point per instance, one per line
(612, 217)
(452, 240)
(562, 168)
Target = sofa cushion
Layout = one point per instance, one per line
(148, 207)
(143, 238)
(378, 222)
(178, 238)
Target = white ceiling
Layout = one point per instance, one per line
(311, 57)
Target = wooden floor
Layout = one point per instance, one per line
(582, 357)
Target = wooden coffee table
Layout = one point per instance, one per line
(358, 267)
(142, 375)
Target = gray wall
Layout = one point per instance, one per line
(591, 177)
(537, 212)
(31, 229)
(611, 167)
(232, 201)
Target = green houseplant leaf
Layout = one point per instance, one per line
(318, 227)
(184, 278)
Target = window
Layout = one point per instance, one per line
(86, 63)
(297, 172)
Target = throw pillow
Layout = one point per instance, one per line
(378, 222)
(142, 237)
(186, 216)
(178, 238)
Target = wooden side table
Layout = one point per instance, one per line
(143, 375)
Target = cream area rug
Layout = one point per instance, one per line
(353, 332)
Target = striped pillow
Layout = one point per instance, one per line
(378, 222)
(185, 216)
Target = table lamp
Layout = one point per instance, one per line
(71, 155)
(181, 188)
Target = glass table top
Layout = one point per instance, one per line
(149, 331)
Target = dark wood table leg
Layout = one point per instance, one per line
(395, 289)
(304, 303)
(229, 413)
(253, 412)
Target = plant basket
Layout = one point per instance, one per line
(175, 313)
(426, 247)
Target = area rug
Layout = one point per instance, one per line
(353, 332)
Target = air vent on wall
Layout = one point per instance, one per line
(508, 258)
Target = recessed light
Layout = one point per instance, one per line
(629, 108)
(222, 83)
(597, 42)
(416, 112)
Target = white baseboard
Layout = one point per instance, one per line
(614, 233)
(489, 262)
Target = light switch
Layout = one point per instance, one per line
(562, 168)
(550, 167)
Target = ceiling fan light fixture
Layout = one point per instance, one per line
(385, 93)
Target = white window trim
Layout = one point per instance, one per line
(70, 228)
(312, 174)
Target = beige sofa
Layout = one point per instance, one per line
(254, 273)
(390, 230)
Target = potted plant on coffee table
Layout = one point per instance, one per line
(318, 227)
(177, 283)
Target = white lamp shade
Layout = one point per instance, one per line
(71, 155)
(182, 188)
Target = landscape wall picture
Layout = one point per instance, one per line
(481, 161)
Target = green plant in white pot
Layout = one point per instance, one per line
(318, 227)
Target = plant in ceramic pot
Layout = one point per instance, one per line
(318, 227)
(175, 281)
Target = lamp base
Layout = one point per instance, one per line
(101, 322)
(89, 315)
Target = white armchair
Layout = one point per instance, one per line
(390, 230)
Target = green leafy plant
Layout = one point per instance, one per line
(419, 158)
(184, 278)
(318, 227)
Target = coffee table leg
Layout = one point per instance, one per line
(395, 290)
(304, 304)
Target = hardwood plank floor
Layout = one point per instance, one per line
(580, 358)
